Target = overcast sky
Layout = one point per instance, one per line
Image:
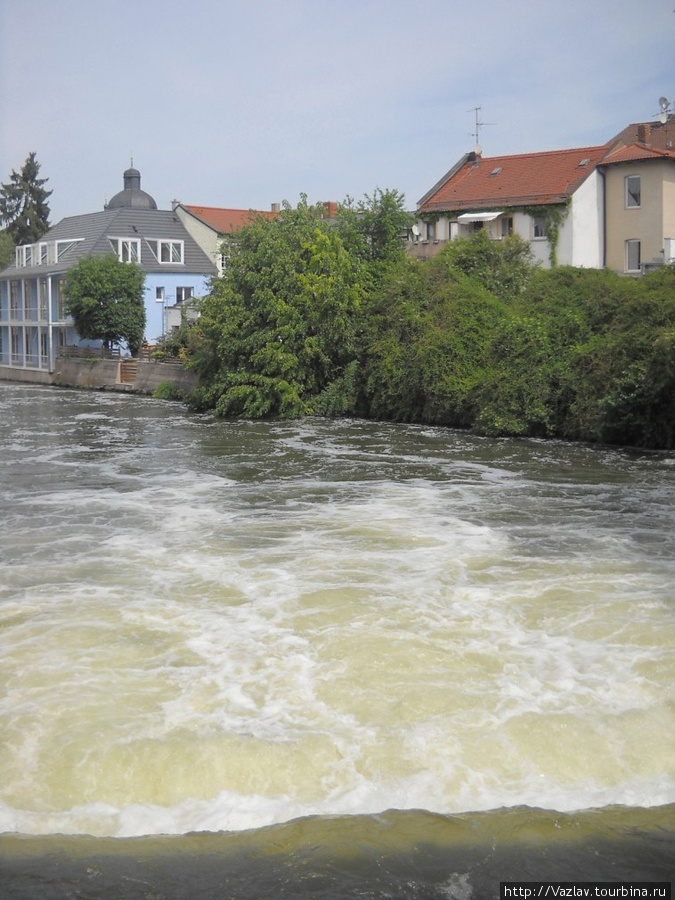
(243, 104)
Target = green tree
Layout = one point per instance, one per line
(429, 330)
(105, 298)
(23, 204)
(374, 228)
(503, 267)
(6, 249)
(278, 331)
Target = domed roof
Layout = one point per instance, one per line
(132, 195)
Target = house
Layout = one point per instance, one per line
(33, 320)
(211, 226)
(553, 200)
(639, 174)
(606, 206)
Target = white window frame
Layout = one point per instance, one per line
(183, 294)
(43, 299)
(160, 295)
(44, 347)
(62, 247)
(128, 249)
(538, 228)
(15, 300)
(631, 246)
(15, 344)
(170, 249)
(633, 197)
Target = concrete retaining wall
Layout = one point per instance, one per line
(104, 375)
(151, 374)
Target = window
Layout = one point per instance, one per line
(507, 226)
(159, 295)
(431, 231)
(169, 251)
(44, 347)
(44, 256)
(539, 227)
(62, 247)
(632, 191)
(24, 255)
(128, 250)
(16, 344)
(58, 301)
(42, 297)
(632, 256)
(183, 294)
(14, 299)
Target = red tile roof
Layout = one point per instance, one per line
(636, 152)
(527, 179)
(227, 221)
(659, 135)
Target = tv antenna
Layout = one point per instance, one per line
(664, 103)
(476, 133)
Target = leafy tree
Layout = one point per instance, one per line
(278, 331)
(105, 298)
(6, 249)
(23, 204)
(503, 267)
(429, 338)
(373, 229)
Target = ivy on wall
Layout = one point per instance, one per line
(554, 216)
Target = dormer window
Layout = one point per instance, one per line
(62, 247)
(24, 255)
(168, 251)
(127, 249)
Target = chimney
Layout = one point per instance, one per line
(643, 131)
(276, 207)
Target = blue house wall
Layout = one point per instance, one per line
(162, 290)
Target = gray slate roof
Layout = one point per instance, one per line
(96, 228)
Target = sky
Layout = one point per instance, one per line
(244, 104)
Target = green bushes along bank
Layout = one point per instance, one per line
(333, 318)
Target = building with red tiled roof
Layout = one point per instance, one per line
(520, 195)
(211, 225)
(639, 180)
(572, 206)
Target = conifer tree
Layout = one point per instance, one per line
(24, 210)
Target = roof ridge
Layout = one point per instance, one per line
(594, 147)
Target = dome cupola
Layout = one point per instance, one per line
(131, 196)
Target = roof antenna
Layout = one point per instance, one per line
(664, 103)
(478, 150)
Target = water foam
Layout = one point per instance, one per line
(343, 629)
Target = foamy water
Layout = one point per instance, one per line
(212, 626)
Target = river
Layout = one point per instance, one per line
(326, 658)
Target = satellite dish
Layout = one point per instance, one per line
(664, 103)
(416, 230)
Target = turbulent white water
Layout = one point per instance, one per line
(211, 626)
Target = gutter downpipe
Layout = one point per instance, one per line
(601, 173)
